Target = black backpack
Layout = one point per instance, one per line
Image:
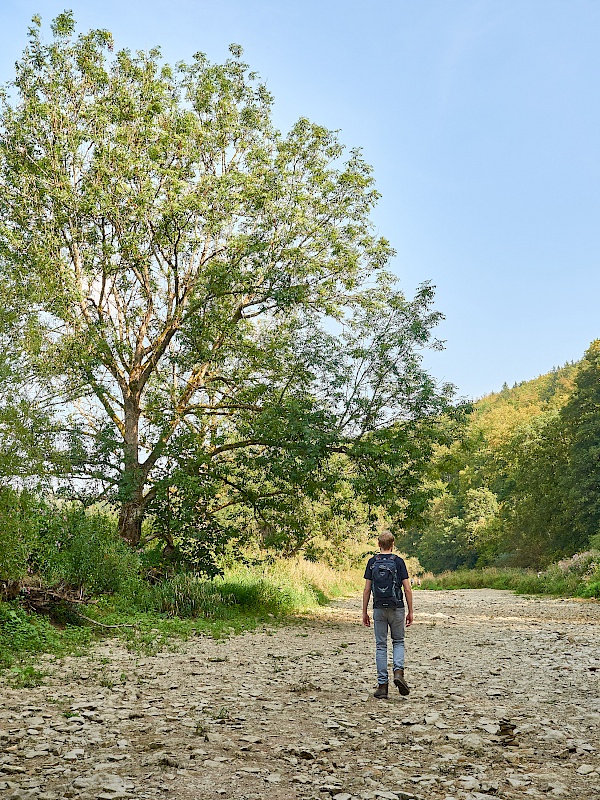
(386, 586)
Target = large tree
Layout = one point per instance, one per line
(205, 290)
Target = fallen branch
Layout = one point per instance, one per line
(101, 624)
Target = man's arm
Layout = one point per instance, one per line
(409, 601)
(366, 595)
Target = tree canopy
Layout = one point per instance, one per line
(204, 295)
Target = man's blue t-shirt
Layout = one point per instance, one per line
(400, 568)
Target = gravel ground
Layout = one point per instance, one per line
(504, 702)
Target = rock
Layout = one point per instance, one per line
(490, 786)
(112, 783)
(343, 796)
(330, 788)
(82, 782)
(468, 782)
(489, 728)
(516, 783)
(73, 755)
(473, 742)
(119, 795)
(586, 769)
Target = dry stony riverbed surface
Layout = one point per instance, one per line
(504, 702)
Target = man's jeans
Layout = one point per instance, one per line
(392, 618)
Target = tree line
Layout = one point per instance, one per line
(520, 484)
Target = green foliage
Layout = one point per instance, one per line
(204, 298)
(149, 618)
(284, 587)
(575, 577)
(81, 548)
(187, 595)
(580, 420)
(61, 542)
(25, 677)
(521, 485)
(24, 635)
(255, 593)
(18, 526)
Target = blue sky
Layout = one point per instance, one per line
(481, 120)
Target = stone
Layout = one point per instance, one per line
(586, 769)
(119, 795)
(468, 782)
(73, 755)
(473, 742)
(82, 782)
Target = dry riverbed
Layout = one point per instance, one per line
(505, 702)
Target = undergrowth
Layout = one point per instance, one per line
(578, 576)
(150, 618)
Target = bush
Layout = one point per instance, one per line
(19, 519)
(578, 576)
(283, 587)
(82, 548)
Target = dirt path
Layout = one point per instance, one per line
(288, 714)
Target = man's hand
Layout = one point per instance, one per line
(409, 619)
(365, 603)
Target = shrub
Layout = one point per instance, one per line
(187, 595)
(578, 576)
(280, 588)
(82, 548)
(18, 528)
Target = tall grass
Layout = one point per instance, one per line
(578, 576)
(284, 587)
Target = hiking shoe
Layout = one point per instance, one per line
(381, 692)
(400, 682)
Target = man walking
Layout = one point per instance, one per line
(385, 577)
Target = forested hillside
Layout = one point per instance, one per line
(521, 486)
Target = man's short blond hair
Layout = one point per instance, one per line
(385, 540)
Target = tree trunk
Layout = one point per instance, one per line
(131, 515)
(131, 490)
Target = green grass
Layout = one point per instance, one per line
(23, 636)
(576, 577)
(151, 618)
